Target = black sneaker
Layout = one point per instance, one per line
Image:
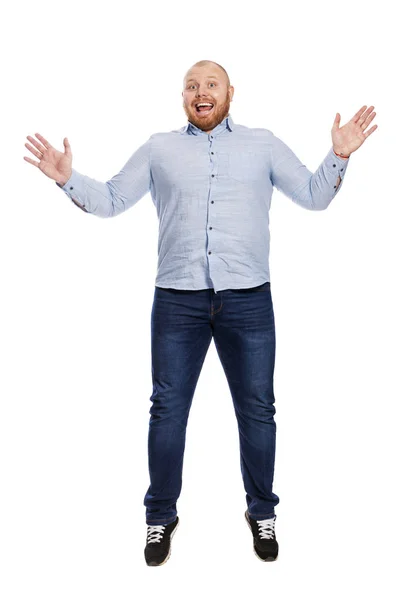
(264, 540)
(158, 543)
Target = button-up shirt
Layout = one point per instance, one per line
(212, 192)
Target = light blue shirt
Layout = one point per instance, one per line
(212, 193)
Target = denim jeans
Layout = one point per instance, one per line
(242, 323)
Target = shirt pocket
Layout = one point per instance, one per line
(247, 166)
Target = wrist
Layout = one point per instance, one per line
(341, 154)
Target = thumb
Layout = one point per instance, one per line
(67, 147)
(336, 122)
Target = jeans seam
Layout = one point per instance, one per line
(162, 521)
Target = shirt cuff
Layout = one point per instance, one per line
(336, 166)
(71, 188)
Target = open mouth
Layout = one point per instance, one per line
(204, 108)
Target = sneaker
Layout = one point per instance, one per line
(264, 540)
(158, 543)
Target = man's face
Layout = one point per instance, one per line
(206, 84)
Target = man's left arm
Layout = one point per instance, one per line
(315, 191)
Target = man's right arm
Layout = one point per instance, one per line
(118, 193)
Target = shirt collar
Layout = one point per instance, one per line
(227, 123)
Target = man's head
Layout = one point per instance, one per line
(207, 81)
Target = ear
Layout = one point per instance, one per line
(231, 92)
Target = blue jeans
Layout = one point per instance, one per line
(183, 322)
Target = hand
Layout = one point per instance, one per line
(56, 165)
(349, 137)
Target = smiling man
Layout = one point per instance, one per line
(211, 182)
(207, 110)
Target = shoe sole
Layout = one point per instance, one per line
(270, 558)
(169, 551)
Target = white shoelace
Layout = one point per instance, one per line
(155, 533)
(266, 527)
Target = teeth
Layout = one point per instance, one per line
(204, 104)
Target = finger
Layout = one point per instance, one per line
(365, 115)
(45, 143)
(29, 160)
(359, 113)
(367, 133)
(336, 122)
(368, 121)
(34, 152)
(67, 147)
(41, 148)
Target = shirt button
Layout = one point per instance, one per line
(334, 165)
(341, 169)
(334, 186)
(210, 228)
(212, 175)
(71, 188)
(212, 152)
(209, 252)
(212, 201)
(211, 137)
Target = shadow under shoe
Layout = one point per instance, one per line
(158, 543)
(264, 539)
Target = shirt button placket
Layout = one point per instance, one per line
(212, 174)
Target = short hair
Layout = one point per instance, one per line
(203, 63)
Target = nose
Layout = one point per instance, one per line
(202, 91)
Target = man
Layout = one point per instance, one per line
(211, 182)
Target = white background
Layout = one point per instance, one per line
(77, 295)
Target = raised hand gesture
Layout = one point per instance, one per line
(56, 165)
(349, 137)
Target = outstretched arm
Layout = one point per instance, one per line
(315, 191)
(116, 195)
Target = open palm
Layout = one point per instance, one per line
(53, 163)
(349, 137)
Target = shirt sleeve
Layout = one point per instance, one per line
(118, 193)
(313, 191)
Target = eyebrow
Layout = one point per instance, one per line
(210, 77)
